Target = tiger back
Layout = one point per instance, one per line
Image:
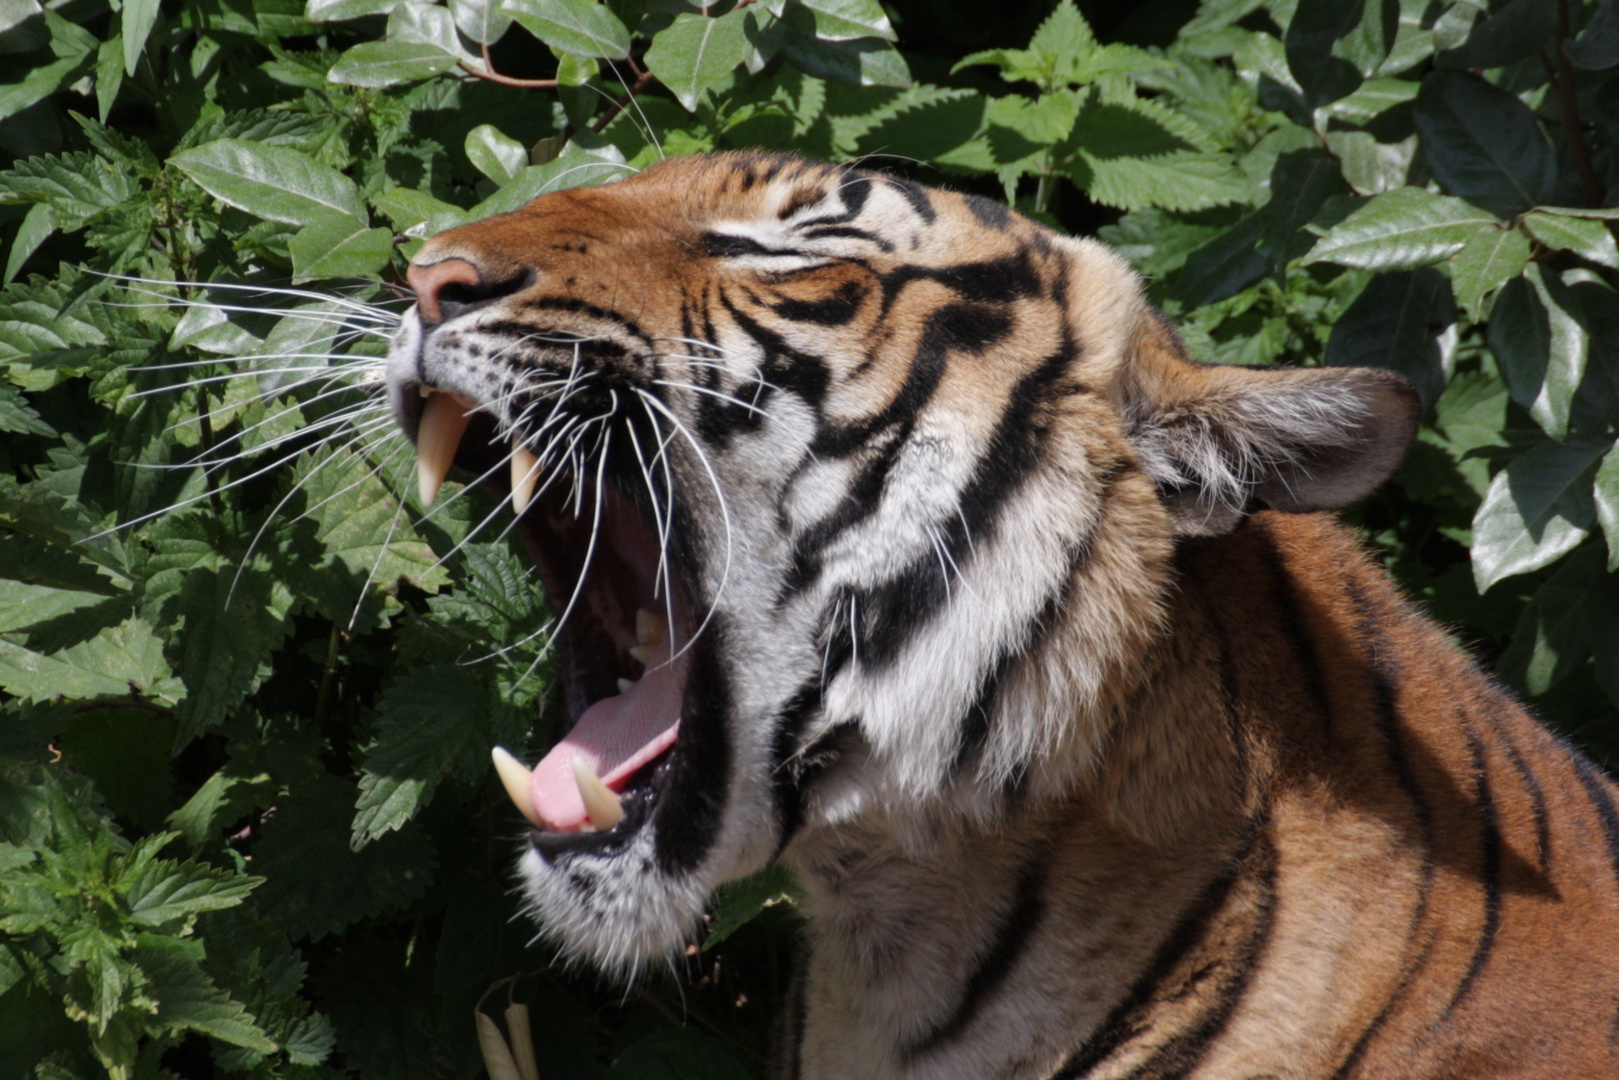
(895, 536)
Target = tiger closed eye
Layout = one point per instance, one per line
(1026, 642)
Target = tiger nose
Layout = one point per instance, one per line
(430, 281)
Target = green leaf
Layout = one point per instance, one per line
(120, 661)
(231, 625)
(42, 82)
(1395, 323)
(1540, 345)
(188, 1000)
(37, 226)
(1372, 167)
(1587, 238)
(863, 62)
(697, 51)
(738, 903)
(1605, 492)
(581, 27)
(427, 24)
(481, 20)
(1312, 39)
(1402, 229)
(139, 18)
(1513, 31)
(494, 154)
(1492, 258)
(276, 183)
(223, 797)
(1224, 266)
(1300, 182)
(77, 187)
(430, 722)
(1556, 628)
(338, 246)
(1537, 510)
(389, 63)
(18, 416)
(846, 20)
(1598, 46)
(337, 10)
(165, 891)
(575, 168)
(1483, 144)
(1182, 182)
(314, 884)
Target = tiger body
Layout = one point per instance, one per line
(1013, 631)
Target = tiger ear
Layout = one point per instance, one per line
(1222, 441)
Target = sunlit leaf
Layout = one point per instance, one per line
(1402, 229)
(388, 63)
(697, 51)
(1538, 509)
(583, 27)
(277, 183)
(1540, 345)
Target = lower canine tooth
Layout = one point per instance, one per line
(624, 685)
(525, 472)
(514, 776)
(602, 806)
(438, 436)
(649, 627)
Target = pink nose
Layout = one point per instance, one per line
(430, 280)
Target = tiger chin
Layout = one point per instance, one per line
(894, 536)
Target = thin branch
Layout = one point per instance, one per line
(488, 72)
(1569, 106)
(642, 79)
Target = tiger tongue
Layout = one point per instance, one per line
(615, 737)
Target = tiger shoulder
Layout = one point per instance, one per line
(1023, 638)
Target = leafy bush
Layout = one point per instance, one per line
(247, 686)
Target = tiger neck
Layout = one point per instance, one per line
(1025, 933)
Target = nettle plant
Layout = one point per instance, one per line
(248, 683)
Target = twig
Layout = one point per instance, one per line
(1569, 105)
(488, 72)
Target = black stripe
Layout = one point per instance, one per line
(787, 1045)
(917, 196)
(1286, 610)
(691, 808)
(1130, 1016)
(788, 368)
(1537, 797)
(834, 310)
(1489, 871)
(1180, 1054)
(989, 213)
(821, 232)
(1011, 939)
(1596, 789)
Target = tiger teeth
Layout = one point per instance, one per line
(650, 628)
(438, 436)
(602, 805)
(624, 685)
(525, 473)
(514, 776)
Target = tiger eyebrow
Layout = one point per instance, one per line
(721, 245)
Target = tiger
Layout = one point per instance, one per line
(896, 538)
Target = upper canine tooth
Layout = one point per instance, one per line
(602, 806)
(514, 776)
(640, 653)
(438, 436)
(624, 685)
(525, 473)
(649, 628)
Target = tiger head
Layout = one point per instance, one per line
(857, 501)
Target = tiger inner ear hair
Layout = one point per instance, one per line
(1222, 441)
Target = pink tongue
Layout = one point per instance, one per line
(615, 737)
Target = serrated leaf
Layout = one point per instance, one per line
(1585, 237)
(1537, 510)
(122, 660)
(581, 27)
(314, 884)
(1395, 324)
(17, 415)
(1182, 182)
(1404, 229)
(696, 51)
(429, 723)
(231, 625)
(338, 246)
(1483, 144)
(276, 183)
(76, 187)
(1486, 262)
(481, 20)
(37, 226)
(221, 799)
(1540, 345)
(188, 1000)
(166, 891)
(1605, 493)
(388, 63)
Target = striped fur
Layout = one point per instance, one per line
(1098, 753)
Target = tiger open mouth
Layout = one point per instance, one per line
(620, 636)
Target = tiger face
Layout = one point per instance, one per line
(857, 502)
